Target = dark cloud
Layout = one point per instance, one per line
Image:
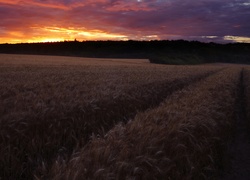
(206, 20)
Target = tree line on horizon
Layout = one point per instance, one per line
(164, 51)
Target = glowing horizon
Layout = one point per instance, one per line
(56, 20)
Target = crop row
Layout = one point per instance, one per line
(48, 113)
(183, 138)
(23, 88)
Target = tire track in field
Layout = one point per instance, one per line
(125, 107)
(79, 124)
(199, 117)
(238, 153)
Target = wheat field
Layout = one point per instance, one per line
(82, 118)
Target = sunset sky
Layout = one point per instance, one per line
(59, 20)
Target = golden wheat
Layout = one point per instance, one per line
(47, 112)
(181, 139)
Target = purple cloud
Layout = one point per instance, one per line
(131, 19)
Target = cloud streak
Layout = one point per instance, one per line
(37, 20)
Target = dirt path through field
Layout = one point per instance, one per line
(239, 148)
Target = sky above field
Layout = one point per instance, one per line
(59, 20)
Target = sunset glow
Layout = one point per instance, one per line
(56, 20)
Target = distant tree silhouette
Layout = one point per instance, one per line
(165, 52)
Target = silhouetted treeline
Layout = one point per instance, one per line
(168, 52)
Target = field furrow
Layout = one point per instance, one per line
(183, 138)
(46, 113)
(238, 149)
(247, 92)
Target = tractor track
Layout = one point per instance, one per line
(238, 152)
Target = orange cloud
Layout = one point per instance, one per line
(238, 39)
(53, 5)
(52, 34)
(53, 20)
